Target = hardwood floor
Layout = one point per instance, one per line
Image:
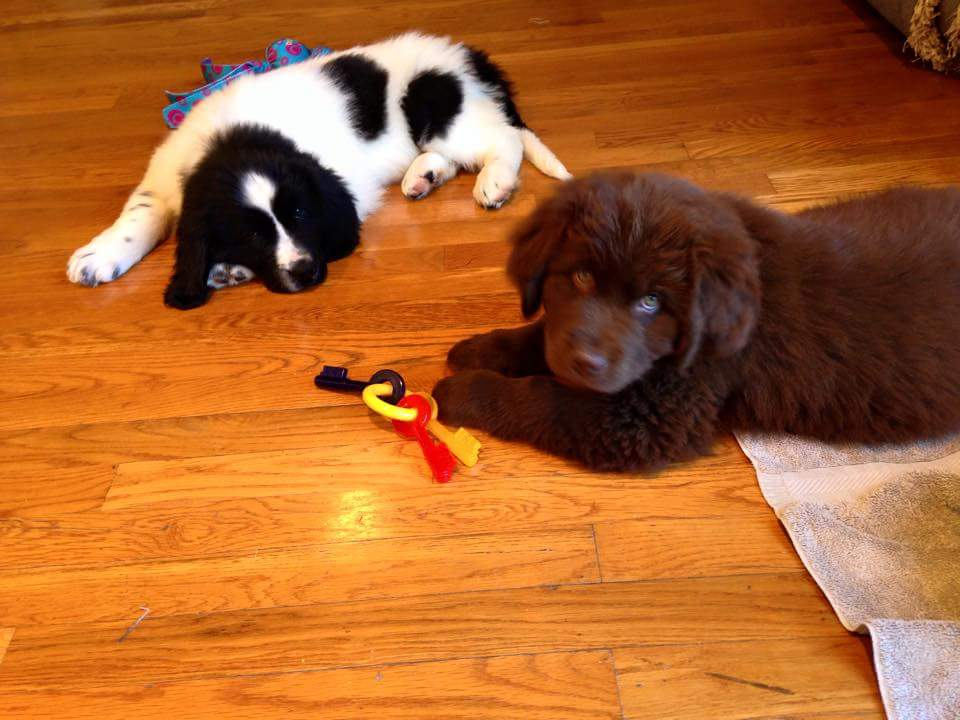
(188, 528)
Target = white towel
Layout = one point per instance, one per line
(879, 530)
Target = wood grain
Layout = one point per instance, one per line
(693, 547)
(301, 576)
(578, 686)
(491, 497)
(728, 681)
(437, 627)
(53, 485)
(295, 557)
(391, 463)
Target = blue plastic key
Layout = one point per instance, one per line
(335, 378)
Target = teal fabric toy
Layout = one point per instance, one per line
(279, 54)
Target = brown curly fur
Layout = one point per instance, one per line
(840, 323)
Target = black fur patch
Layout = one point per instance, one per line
(218, 225)
(365, 83)
(432, 100)
(500, 87)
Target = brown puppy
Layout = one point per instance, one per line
(671, 311)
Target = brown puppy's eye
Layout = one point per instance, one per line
(648, 304)
(583, 280)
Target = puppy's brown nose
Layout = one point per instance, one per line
(587, 363)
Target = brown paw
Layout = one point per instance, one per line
(468, 354)
(453, 398)
(467, 398)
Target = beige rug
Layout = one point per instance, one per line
(932, 28)
(879, 530)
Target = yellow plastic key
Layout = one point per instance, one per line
(373, 393)
(464, 446)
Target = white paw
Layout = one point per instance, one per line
(226, 275)
(428, 172)
(105, 258)
(495, 184)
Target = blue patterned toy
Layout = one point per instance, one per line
(280, 53)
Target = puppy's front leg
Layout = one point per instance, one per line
(625, 431)
(516, 352)
(146, 217)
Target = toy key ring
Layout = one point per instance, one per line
(371, 396)
(413, 416)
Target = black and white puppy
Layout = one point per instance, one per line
(272, 176)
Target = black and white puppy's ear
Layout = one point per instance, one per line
(339, 222)
(188, 286)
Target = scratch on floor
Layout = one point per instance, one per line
(146, 611)
(6, 637)
(762, 686)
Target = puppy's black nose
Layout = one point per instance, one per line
(305, 272)
(587, 363)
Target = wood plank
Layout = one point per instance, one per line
(386, 461)
(300, 576)
(482, 309)
(200, 517)
(578, 686)
(801, 678)
(45, 485)
(498, 622)
(709, 97)
(808, 184)
(126, 300)
(135, 12)
(108, 387)
(788, 139)
(187, 437)
(693, 547)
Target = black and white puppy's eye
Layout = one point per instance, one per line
(648, 304)
(300, 213)
(583, 280)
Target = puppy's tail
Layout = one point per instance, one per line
(541, 156)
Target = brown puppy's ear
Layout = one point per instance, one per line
(725, 294)
(534, 243)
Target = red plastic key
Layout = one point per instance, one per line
(438, 455)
